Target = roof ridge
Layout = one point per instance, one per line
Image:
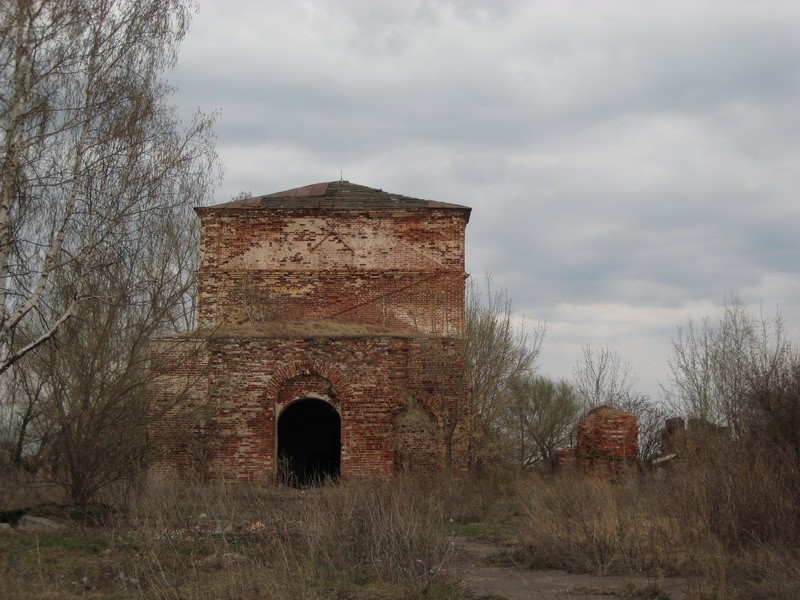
(334, 195)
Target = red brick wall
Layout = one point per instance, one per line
(563, 459)
(415, 437)
(400, 395)
(399, 268)
(369, 380)
(179, 407)
(607, 439)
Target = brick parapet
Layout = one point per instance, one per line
(316, 239)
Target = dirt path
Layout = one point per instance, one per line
(509, 583)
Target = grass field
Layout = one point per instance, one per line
(730, 534)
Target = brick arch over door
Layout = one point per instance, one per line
(298, 368)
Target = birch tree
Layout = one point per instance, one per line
(89, 145)
(97, 240)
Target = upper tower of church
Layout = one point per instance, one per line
(334, 252)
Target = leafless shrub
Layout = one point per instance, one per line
(498, 352)
(602, 377)
(735, 370)
(728, 524)
(275, 542)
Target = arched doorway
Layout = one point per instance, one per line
(309, 442)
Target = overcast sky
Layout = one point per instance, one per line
(627, 162)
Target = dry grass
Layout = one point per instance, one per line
(241, 541)
(729, 527)
(299, 329)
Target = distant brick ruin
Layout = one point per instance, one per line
(608, 439)
(330, 320)
(690, 441)
(607, 443)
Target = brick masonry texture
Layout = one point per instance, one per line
(607, 439)
(403, 268)
(218, 393)
(607, 443)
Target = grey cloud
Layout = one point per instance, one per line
(617, 154)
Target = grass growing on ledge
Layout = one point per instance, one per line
(308, 329)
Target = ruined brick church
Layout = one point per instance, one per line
(329, 341)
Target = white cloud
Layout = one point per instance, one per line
(627, 163)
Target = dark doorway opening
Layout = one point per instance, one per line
(309, 443)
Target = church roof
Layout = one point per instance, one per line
(334, 195)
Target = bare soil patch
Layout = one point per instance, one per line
(489, 581)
